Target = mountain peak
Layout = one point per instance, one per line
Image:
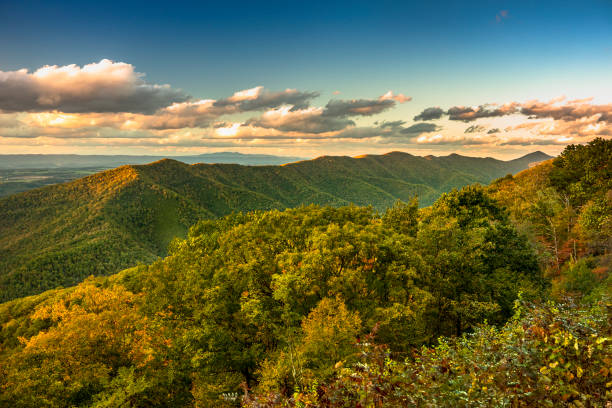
(163, 164)
(536, 156)
(454, 155)
(164, 161)
(397, 153)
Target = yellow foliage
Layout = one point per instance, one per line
(94, 332)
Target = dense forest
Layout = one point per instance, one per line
(109, 221)
(491, 296)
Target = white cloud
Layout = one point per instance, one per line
(105, 86)
(401, 98)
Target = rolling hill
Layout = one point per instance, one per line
(102, 223)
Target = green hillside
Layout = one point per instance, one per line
(493, 296)
(57, 235)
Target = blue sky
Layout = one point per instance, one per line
(439, 53)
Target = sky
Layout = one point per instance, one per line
(481, 78)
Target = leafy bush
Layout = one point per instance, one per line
(548, 355)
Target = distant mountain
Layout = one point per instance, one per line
(102, 223)
(25, 172)
(53, 161)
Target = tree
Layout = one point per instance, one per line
(97, 340)
(474, 261)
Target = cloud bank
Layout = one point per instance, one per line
(105, 86)
(558, 121)
(555, 109)
(111, 104)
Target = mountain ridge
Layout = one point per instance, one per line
(47, 161)
(59, 234)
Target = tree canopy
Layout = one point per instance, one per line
(492, 296)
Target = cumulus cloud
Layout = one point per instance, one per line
(468, 114)
(287, 110)
(430, 114)
(193, 113)
(475, 129)
(579, 117)
(572, 110)
(361, 133)
(110, 100)
(105, 86)
(259, 98)
(397, 128)
(401, 98)
(394, 130)
(26, 130)
(357, 107)
(203, 112)
(334, 116)
(394, 124)
(109, 103)
(555, 109)
(313, 120)
(419, 128)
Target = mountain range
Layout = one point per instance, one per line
(63, 161)
(97, 225)
(23, 172)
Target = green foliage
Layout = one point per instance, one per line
(578, 278)
(92, 335)
(564, 207)
(318, 305)
(241, 288)
(403, 217)
(327, 338)
(272, 300)
(58, 235)
(583, 171)
(474, 261)
(595, 223)
(552, 355)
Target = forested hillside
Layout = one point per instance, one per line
(565, 207)
(100, 224)
(462, 303)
